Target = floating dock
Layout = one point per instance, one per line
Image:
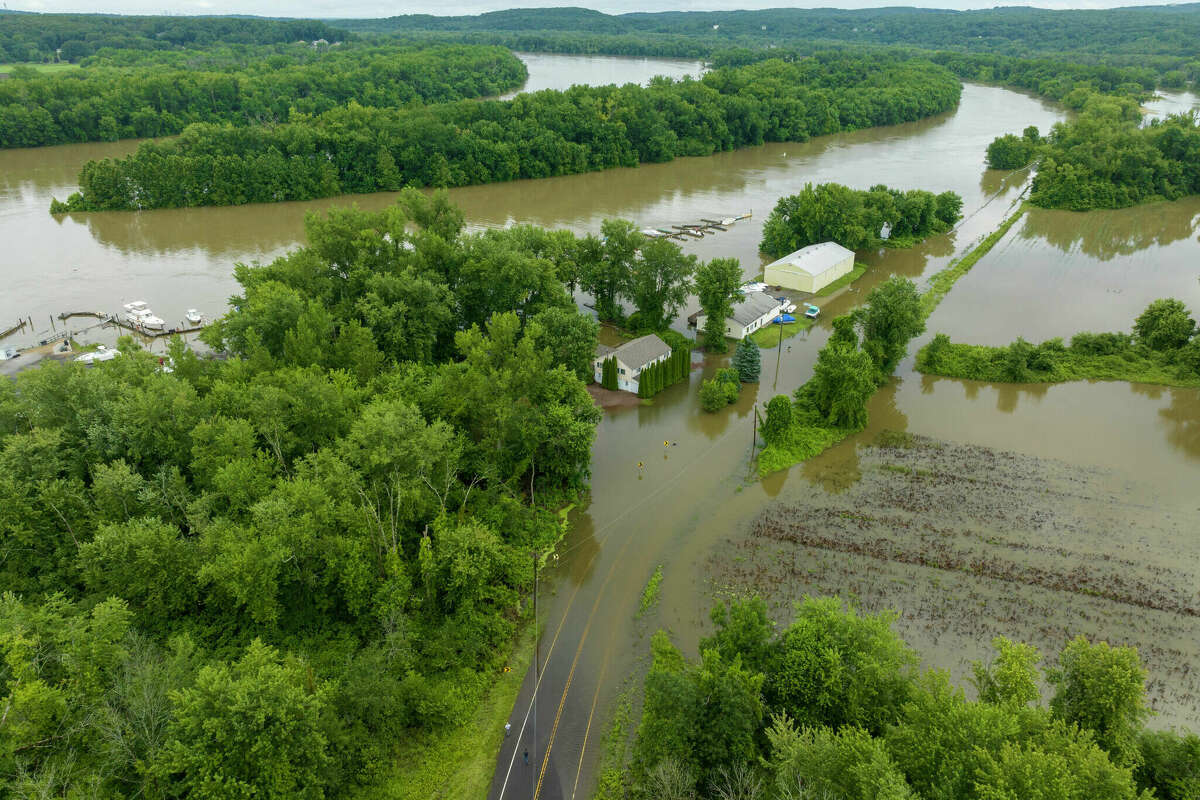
(693, 230)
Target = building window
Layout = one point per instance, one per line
(622, 372)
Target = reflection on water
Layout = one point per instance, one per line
(548, 71)
(1056, 273)
(1107, 234)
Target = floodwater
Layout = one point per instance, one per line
(547, 71)
(692, 495)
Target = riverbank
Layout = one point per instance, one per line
(1048, 363)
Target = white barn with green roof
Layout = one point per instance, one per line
(811, 268)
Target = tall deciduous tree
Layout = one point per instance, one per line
(659, 283)
(717, 285)
(1102, 688)
(890, 319)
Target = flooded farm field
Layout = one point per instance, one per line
(1060, 272)
(970, 542)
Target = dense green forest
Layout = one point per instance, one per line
(107, 104)
(1106, 157)
(834, 705)
(857, 219)
(255, 577)
(71, 37)
(1155, 30)
(1164, 348)
(359, 149)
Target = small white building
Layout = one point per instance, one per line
(812, 268)
(632, 357)
(758, 309)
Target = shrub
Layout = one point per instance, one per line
(778, 420)
(1100, 344)
(716, 393)
(1164, 325)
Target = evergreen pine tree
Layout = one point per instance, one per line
(654, 381)
(644, 383)
(747, 360)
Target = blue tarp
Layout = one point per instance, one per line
(783, 319)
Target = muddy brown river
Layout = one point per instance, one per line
(1054, 274)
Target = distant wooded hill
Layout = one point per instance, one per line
(1162, 30)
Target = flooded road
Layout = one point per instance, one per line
(1049, 277)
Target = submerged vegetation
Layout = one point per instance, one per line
(363, 149)
(857, 219)
(275, 573)
(1163, 349)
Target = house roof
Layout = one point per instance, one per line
(641, 351)
(812, 260)
(603, 350)
(754, 307)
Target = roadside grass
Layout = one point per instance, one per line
(768, 337)
(613, 775)
(850, 277)
(650, 593)
(984, 363)
(47, 68)
(459, 764)
(941, 283)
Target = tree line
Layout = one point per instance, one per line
(833, 704)
(359, 149)
(71, 37)
(857, 219)
(260, 576)
(106, 104)
(1163, 348)
(1098, 34)
(1105, 157)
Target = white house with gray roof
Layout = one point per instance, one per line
(632, 357)
(810, 269)
(754, 312)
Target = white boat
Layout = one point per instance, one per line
(101, 353)
(751, 288)
(139, 315)
(193, 316)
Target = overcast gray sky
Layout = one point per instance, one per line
(375, 8)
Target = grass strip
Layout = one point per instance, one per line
(5, 69)
(650, 593)
(769, 337)
(996, 364)
(613, 783)
(459, 763)
(941, 283)
(802, 443)
(850, 277)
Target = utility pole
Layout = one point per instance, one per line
(778, 354)
(753, 439)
